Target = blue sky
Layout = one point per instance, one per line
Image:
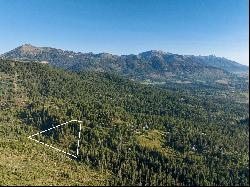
(196, 27)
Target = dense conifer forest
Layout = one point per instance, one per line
(133, 134)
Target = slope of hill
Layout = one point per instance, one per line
(151, 67)
(223, 63)
(138, 134)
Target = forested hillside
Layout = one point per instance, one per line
(136, 134)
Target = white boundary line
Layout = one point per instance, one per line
(78, 141)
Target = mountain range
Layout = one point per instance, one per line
(150, 67)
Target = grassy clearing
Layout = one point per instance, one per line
(222, 81)
(154, 139)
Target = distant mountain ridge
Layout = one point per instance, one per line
(221, 62)
(30, 52)
(152, 66)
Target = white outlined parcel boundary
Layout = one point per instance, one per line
(78, 141)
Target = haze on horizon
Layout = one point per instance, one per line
(193, 27)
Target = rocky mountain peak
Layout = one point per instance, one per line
(27, 48)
